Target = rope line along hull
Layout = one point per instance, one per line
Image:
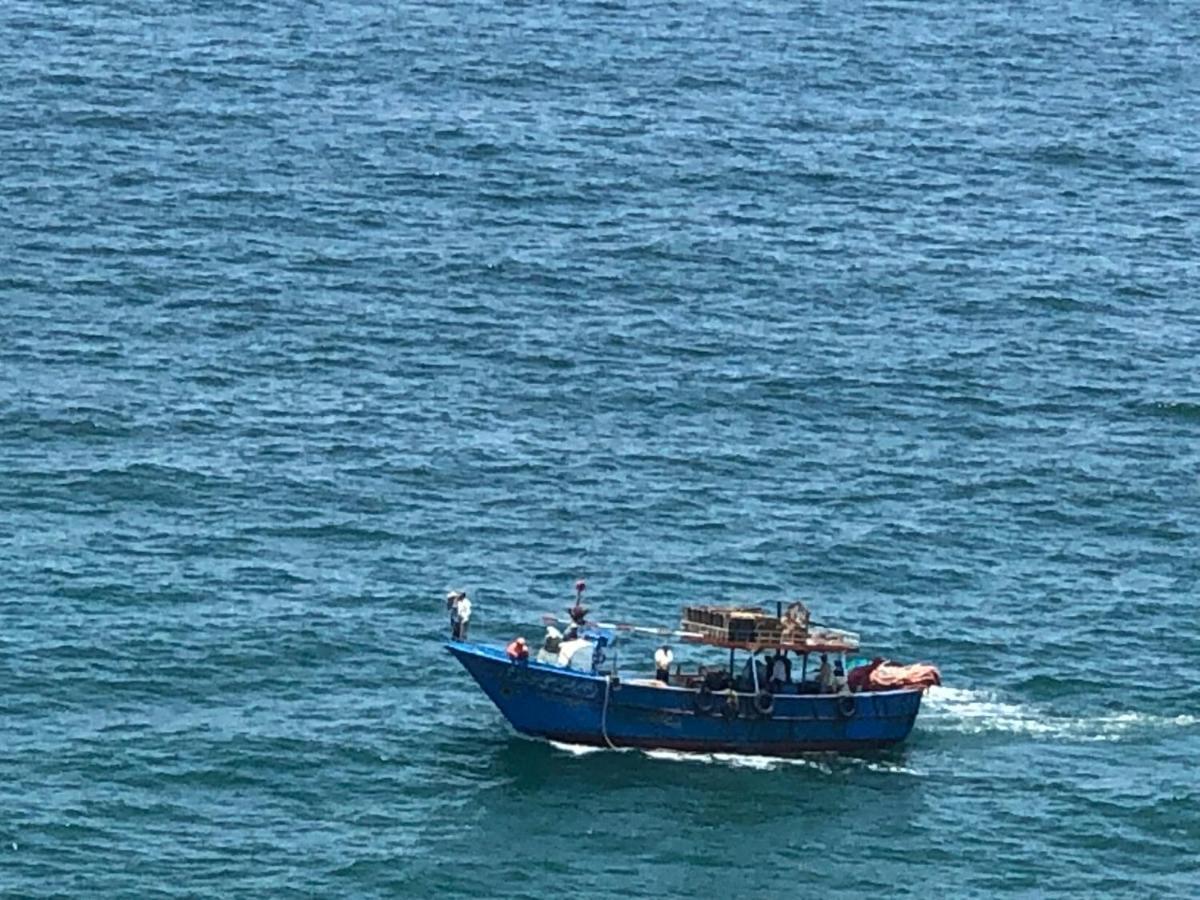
(569, 706)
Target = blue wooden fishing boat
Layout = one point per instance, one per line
(579, 696)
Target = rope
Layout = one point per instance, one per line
(604, 714)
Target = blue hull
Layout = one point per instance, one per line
(570, 706)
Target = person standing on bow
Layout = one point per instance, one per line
(662, 663)
(460, 614)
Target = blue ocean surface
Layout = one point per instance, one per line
(312, 311)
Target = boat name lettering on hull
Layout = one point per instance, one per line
(520, 677)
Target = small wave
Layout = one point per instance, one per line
(576, 749)
(826, 764)
(889, 768)
(733, 760)
(1174, 409)
(978, 712)
(739, 760)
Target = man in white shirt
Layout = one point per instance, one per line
(464, 616)
(662, 663)
(460, 615)
(779, 673)
(550, 646)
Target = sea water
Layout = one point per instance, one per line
(314, 311)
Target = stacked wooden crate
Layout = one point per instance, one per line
(720, 622)
(742, 624)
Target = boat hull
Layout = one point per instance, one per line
(580, 708)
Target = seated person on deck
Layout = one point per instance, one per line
(745, 681)
(550, 646)
(715, 679)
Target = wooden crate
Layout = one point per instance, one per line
(744, 624)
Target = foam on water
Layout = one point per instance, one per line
(889, 768)
(735, 760)
(740, 760)
(972, 711)
(825, 763)
(578, 749)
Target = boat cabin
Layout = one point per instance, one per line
(783, 654)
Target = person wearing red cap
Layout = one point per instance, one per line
(517, 650)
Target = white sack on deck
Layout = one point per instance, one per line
(576, 654)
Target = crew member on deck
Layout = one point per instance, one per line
(550, 646)
(825, 675)
(662, 664)
(578, 614)
(840, 685)
(459, 615)
(780, 672)
(754, 671)
(517, 650)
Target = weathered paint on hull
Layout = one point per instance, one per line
(568, 706)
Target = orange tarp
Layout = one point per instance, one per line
(891, 675)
